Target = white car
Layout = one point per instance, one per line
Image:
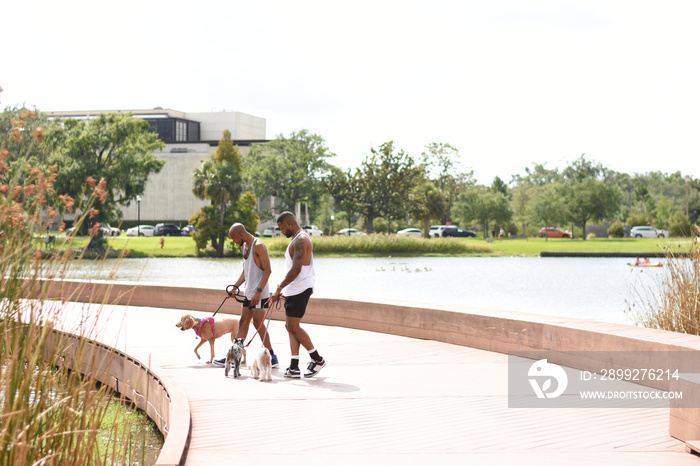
(142, 230)
(415, 232)
(349, 232)
(437, 231)
(313, 230)
(269, 232)
(648, 232)
(108, 230)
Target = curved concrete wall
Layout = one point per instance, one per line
(489, 330)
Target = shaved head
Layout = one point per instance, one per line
(236, 228)
(238, 233)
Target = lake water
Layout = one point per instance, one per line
(600, 289)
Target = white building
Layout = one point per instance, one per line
(190, 138)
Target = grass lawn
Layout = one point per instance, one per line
(174, 246)
(533, 246)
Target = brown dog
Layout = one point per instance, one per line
(209, 330)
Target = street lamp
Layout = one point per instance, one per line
(138, 227)
(332, 218)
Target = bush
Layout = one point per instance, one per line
(680, 226)
(616, 230)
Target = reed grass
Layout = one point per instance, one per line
(50, 413)
(674, 303)
(382, 244)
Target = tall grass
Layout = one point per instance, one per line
(49, 413)
(385, 244)
(674, 304)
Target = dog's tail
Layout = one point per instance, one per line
(266, 360)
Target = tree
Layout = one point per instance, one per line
(219, 180)
(291, 169)
(443, 168)
(547, 206)
(589, 199)
(426, 202)
(344, 188)
(482, 204)
(113, 146)
(384, 180)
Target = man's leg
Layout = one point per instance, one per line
(243, 324)
(298, 337)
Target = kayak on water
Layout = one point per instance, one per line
(650, 264)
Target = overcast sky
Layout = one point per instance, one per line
(509, 83)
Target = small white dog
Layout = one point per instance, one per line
(262, 366)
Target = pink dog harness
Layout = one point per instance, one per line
(198, 328)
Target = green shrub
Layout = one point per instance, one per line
(616, 230)
(680, 226)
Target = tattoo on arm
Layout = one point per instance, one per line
(299, 250)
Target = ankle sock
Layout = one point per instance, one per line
(315, 356)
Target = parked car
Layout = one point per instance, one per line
(166, 229)
(415, 232)
(553, 232)
(269, 232)
(141, 230)
(349, 232)
(648, 232)
(437, 230)
(108, 230)
(458, 232)
(313, 230)
(187, 230)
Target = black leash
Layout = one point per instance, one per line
(229, 294)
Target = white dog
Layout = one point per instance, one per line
(262, 366)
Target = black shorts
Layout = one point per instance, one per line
(295, 306)
(246, 303)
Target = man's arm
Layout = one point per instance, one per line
(298, 253)
(262, 260)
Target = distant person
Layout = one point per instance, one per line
(297, 287)
(500, 234)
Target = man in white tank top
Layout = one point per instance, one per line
(255, 274)
(297, 287)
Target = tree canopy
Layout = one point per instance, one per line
(112, 146)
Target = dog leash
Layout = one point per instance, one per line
(268, 316)
(229, 294)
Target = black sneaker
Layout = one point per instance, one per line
(292, 373)
(314, 368)
(220, 362)
(274, 363)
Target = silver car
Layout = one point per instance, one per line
(648, 232)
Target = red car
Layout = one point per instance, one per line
(552, 232)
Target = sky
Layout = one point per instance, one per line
(508, 83)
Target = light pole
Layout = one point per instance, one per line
(138, 227)
(332, 218)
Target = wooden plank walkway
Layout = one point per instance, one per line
(382, 399)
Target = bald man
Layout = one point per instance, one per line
(255, 274)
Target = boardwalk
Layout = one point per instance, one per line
(382, 399)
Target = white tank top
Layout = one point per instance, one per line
(307, 276)
(253, 275)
